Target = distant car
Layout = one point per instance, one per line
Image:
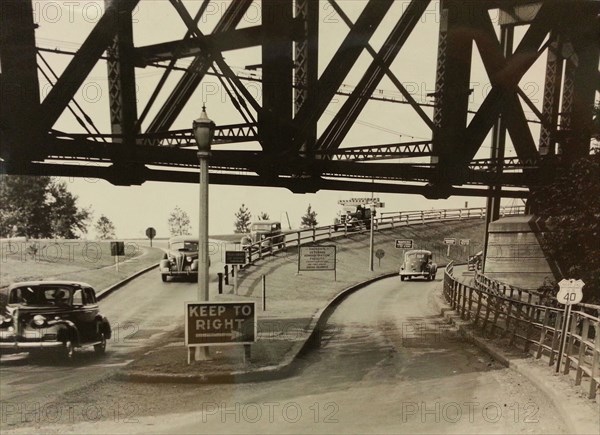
(180, 259)
(418, 263)
(267, 232)
(353, 218)
(46, 315)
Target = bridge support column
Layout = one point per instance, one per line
(497, 151)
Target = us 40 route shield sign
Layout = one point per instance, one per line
(219, 323)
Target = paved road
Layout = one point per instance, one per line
(388, 364)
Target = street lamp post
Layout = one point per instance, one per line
(204, 130)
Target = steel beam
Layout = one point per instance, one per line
(579, 87)
(121, 78)
(81, 65)
(19, 86)
(232, 39)
(190, 80)
(342, 122)
(452, 88)
(275, 119)
(306, 63)
(339, 66)
(551, 97)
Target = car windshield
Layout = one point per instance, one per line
(416, 256)
(261, 227)
(188, 245)
(41, 295)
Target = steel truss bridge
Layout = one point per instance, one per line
(292, 154)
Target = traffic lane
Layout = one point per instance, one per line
(388, 364)
(139, 313)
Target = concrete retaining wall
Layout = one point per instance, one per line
(514, 253)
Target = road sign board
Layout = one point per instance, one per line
(379, 253)
(235, 257)
(404, 243)
(150, 233)
(316, 258)
(450, 241)
(464, 242)
(360, 201)
(570, 292)
(209, 323)
(117, 248)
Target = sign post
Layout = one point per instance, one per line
(449, 241)
(150, 233)
(380, 254)
(235, 258)
(116, 249)
(311, 258)
(569, 294)
(404, 244)
(220, 323)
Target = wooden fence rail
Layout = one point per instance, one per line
(531, 323)
(386, 220)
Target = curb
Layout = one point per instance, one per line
(282, 370)
(107, 291)
(541, 382)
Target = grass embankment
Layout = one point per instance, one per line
(76, 260)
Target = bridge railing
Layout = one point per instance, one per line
(385, 220)
(531, 325)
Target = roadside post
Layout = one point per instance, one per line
(317, 258)
(264, 293)
(150, 233)
(465, 243)
(116, 249)
(449, 241)
(220, 323)
(569, 294)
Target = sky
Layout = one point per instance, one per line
(64, 25)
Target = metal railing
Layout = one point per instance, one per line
(386, 220)
(530, 323)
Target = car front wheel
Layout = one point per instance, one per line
(164, 277)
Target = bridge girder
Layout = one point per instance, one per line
(294, 96)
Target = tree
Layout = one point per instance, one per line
(39, 207)
(570, 205)
(309, 219)
(179, 223)
(105, 229)
(262, 216)
(242, 220)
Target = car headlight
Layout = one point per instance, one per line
(39, 320)
(189, 259)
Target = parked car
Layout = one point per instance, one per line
(180, 259)
(418, 262)
(267, 232)
(59, 315)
